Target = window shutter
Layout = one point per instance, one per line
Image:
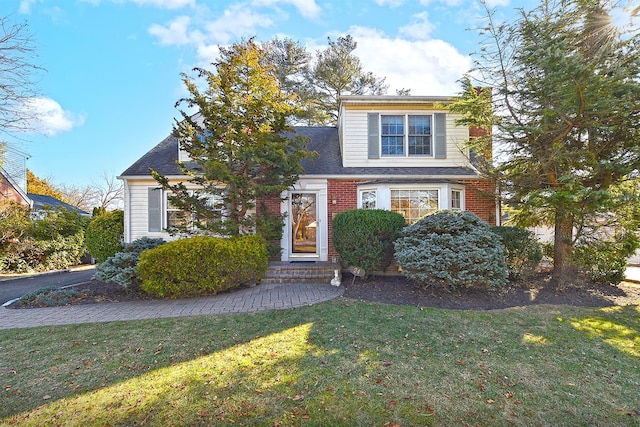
(440, 140)
(155, 209)
(373, 129)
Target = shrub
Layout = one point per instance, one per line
(104, 235)
(202, 265)
(122, 267)
(54, 242)
(364, 238)
(523, 251)
(452, 249)
(49, 296)
(605, 260)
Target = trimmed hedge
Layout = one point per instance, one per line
(452, 249)
(203, 265)
(523, 251)
(364, 237)
(104, 235)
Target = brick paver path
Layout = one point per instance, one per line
(258, 298)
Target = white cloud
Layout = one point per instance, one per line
(446, 2)
(497, 3)
(176, 32)
(161, 4)
(391, 3)
(25, 6)
(165, 4)
(237, 21)
(420, 28)
(49, 118)
(307, 8)
(427, 67)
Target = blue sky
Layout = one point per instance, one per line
(113, 66)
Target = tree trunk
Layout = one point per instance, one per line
(563, 269)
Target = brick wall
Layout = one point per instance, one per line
(343, 196)
(9, 193)
(480, 199)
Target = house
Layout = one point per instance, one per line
(40, 204)
(402, 153)
(11, 190)
(13, 187)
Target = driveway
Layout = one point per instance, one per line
(15, 288)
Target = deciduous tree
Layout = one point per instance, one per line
(18, 75)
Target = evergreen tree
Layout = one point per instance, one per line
(241, 146)
(564, 106)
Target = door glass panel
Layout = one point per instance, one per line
(304, 223)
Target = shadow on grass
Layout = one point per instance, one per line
(337, 363)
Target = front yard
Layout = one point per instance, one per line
(337, 363)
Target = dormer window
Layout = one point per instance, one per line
(405, 135)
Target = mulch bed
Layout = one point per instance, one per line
(401, 291)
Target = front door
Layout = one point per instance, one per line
(304, 224)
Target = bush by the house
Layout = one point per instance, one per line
(56, 241)
(122, 267)
(104, 235)
(605, 259)
(203, 265)
(364, 237)
(523, 251)
(452, 249)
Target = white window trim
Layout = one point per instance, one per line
(367, 190)
(405, 138)
(383, 193)
(166, 210)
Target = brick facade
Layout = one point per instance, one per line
(343, 196)
(480, 199)
(9, 193)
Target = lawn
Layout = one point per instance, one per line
(338, 363)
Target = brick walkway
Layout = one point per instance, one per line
(258, 298)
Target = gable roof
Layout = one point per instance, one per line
(41, 202)
(322, 139)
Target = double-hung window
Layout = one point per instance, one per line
(392, 133)
(405, 135)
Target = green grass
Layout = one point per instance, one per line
(337, 363)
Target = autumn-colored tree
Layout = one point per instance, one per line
(43, 187)
(240, 143)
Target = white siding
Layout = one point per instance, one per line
(137, 211)
(354, 144)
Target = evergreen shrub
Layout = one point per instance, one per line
(49, 296)
(203, 265)
(122, 267)
(364, 237)
(104, 235)
(605, 259)
(452, 249)
(522, 250)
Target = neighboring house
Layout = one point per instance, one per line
(402, 153)
(41, 204)
(11, 191)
